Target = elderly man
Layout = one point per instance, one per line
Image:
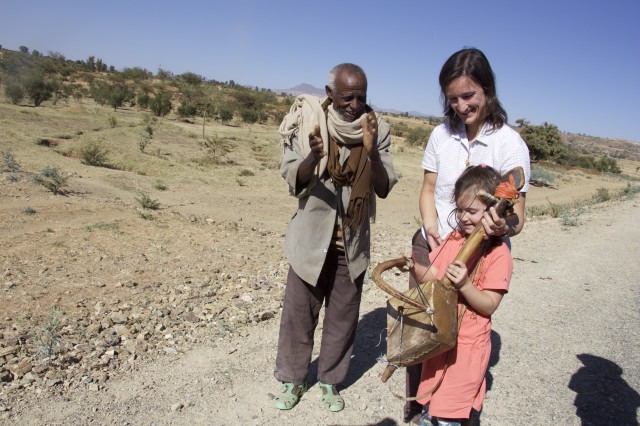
(336, 160)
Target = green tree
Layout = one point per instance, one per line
(160, 104)
(249, 116)
(418, 136)
(399, 128)
(58, 92)
(225, 114)
(191, 78)
(99, 91)
(545, 142)
(78, 92)
(100, 66)
(186, 109)
(608, 164)
(91, 63)
(163, 74)
(143, 100)
(118, 94)
(38, 90)
(14, 92)
(136, 74)
(248, 100)
(93, 153)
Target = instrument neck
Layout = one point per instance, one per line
(471, 248)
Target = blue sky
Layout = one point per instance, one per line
(567, 62)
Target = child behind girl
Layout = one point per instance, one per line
(463, 387)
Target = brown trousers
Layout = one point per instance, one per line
(300, 312)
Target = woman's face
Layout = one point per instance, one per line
(468, 101)
(469, 210)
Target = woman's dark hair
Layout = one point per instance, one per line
(472, 63)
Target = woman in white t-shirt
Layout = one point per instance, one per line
(475, 132)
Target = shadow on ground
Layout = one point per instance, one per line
(602, 395)
(370, 343)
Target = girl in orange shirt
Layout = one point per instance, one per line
(463, 387)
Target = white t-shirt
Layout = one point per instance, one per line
(449, 154)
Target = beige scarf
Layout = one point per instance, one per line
(344, 132)
(357, 170)
(308, 111)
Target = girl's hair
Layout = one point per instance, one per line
(472, 63)
(475, 179)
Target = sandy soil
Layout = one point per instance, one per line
(175, 320)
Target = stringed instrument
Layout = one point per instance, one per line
(422, 322)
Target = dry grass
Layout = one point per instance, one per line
(173, 153)
(176, 155)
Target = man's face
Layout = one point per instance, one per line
(350, 95)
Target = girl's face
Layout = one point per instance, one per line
(469, 102)
(469, 211)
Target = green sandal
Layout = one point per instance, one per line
(289, 395)
(331, 399)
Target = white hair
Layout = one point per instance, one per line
(349, 67)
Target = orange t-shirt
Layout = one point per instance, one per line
(463, 386)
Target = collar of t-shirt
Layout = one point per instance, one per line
(480, 138)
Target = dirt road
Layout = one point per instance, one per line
(566, 347)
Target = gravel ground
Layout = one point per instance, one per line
(565, 348)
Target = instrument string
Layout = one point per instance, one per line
(380, 337)
(420, 292)
(503, 190)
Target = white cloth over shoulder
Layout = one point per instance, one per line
(305, 113)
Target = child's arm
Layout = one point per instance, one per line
(483, 301)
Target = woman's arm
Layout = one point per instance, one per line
(510, 226)
(428, 212)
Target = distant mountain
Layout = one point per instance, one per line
(617, 148)
(308, 89)
(409, 113)
(301, 89)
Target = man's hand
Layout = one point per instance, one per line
(316, 144)
(369, 125)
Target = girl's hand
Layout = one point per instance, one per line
(457, 273)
